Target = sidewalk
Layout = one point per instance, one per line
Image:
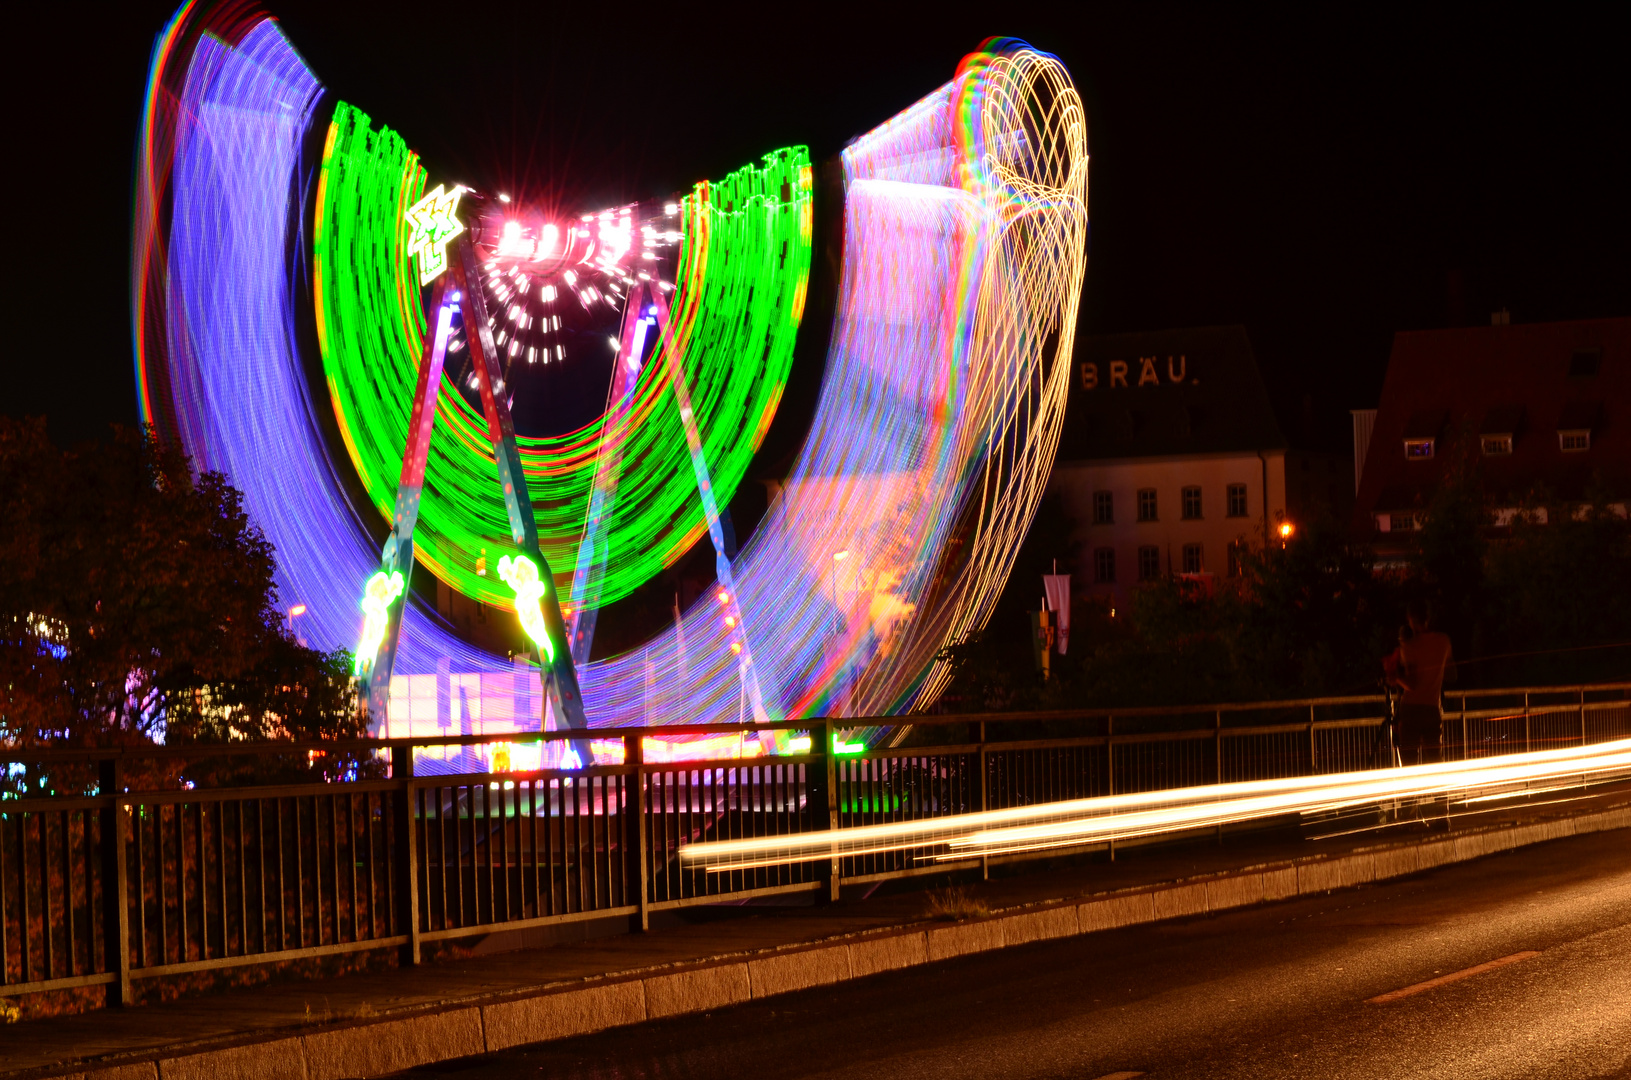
(377, 1023)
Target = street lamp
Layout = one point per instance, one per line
(838, 610)
(837, 557)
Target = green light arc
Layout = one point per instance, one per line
(740, 289)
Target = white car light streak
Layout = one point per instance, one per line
(1088, 821)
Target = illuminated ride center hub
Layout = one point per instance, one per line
(367, 355)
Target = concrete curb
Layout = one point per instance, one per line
(457, 1029)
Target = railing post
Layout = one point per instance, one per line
(634, 830)
(1217, 741)
(1217, 754)
(407, 851)
(1526, 746)
(1110, 767)
(1313, 763)
(1582, 716)
(980, 779)
(1466, 747)
(115, 879)
(821, 803)
(980, 782)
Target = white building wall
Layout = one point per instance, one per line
(1364, 424)
(1075, 482)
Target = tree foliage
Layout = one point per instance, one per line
(137, 603)
(1314, 616)
(1452, 548)
(1555, 593)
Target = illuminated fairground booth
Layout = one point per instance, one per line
(352, 342)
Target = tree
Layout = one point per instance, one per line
(1551, 616)
(1310, 617)
(994, 669)
(1452, 547)
(137, 603)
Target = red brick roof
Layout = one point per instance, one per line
(1495, 380)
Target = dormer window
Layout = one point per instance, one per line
(1575, 425)
(1422, 432)
(1500, 427)
(1584, 363)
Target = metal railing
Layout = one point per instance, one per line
(206, 878)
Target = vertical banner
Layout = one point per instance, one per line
(1057, 587)
(1041, 639)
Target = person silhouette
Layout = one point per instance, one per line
(1423, 662)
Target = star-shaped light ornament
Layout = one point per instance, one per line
(434, 221)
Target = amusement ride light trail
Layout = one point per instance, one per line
(300, 324)
(1082, 822)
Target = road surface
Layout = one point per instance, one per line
(1516, 965)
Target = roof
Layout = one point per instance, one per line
(1167, 393)
(1502, 420)
(1503, 380)
(1425, 424)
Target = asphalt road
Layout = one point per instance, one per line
(1277, 991)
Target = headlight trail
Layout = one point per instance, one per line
(1118, 817)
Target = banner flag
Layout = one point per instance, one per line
(1057, 586)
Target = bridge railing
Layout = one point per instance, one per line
(106, 886)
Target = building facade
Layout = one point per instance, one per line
(1172, 461)
(1544, 409)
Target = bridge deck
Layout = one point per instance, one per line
(391, 1018)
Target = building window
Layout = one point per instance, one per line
(1418, 449)
(1192, 559)
(1146, 504)
(1191, 503)
(1574, 441)
(1237, 500)
(1585, 363)
(1401, 522)
(1496, 445)
(1104, 508)
(1149, 562)
(1104, 565)
(1237, 557)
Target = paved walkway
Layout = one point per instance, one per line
(374, 1023)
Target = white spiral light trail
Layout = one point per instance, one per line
(965, 230)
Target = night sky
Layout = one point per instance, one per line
(1325, 180)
